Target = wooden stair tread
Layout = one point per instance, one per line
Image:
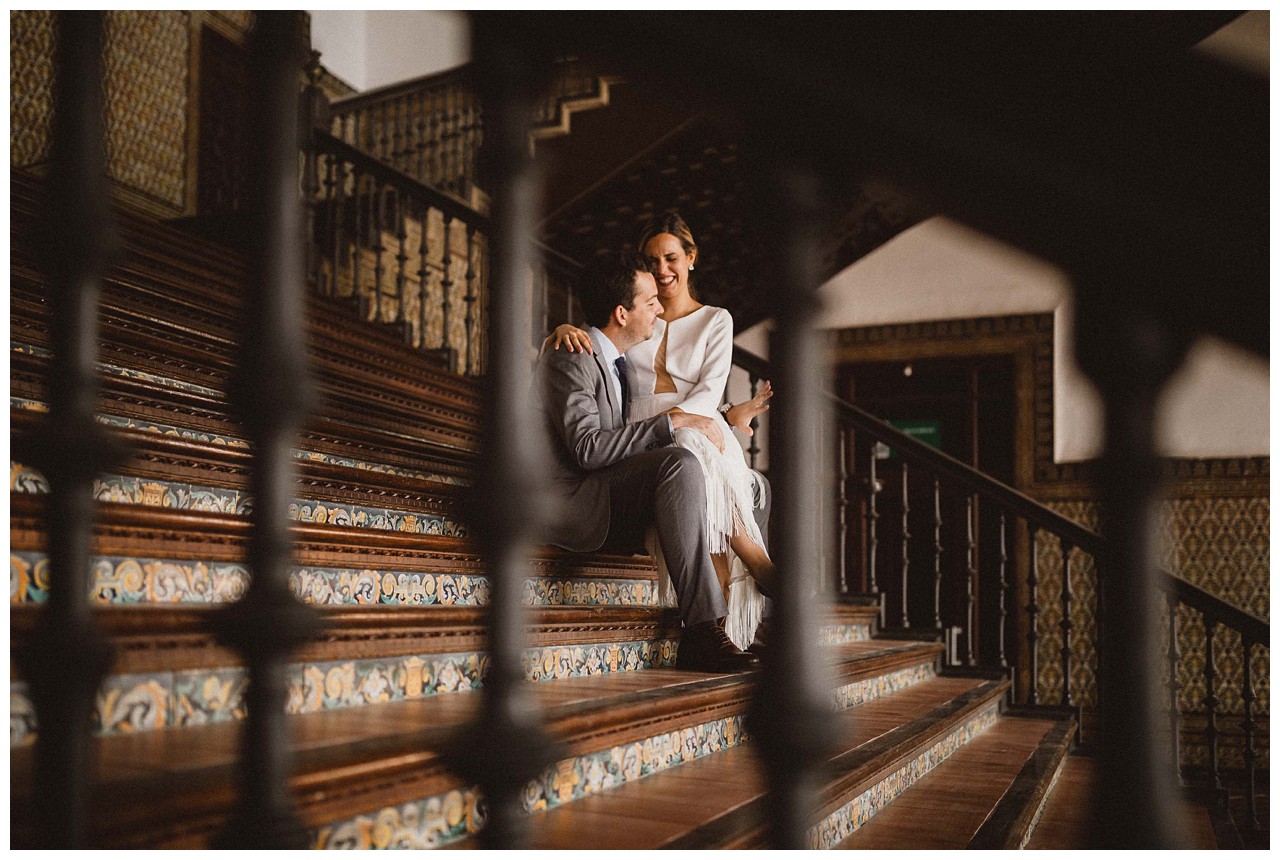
(667, 806)
(1068, 811)
(194, 766)
(958, 794)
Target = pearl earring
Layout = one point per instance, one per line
(691, 267)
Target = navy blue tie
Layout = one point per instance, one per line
(621, 364)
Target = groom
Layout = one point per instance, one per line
(615, 479)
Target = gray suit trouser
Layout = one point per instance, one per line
(666, 487)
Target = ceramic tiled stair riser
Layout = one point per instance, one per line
(127, 581)
(446, 818)
(428, 823)
(145, 702)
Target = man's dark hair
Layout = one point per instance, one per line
(608, 281)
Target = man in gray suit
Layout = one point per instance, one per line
(616, 479)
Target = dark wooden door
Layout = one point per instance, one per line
(965, 407)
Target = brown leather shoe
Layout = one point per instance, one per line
(705, 648)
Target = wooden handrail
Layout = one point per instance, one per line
(368, 98)
(451, 206)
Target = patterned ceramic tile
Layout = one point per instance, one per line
(839, 825)
(202, 696)
(131, 703)
(421, 824)
(439, 820)
(842, 634)
(869, 689)
(175, 495)
(22, 715)
(134, 703)
(1219, 544)
(590, 592)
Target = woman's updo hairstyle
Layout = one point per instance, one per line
(669, 223)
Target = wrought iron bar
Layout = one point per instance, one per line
(906, 545)
(1002, 560)
(1129, 353)
(384, 137)
(971, 580)
(937, 554)
(873, 492)
(397, 134)
(1211, 700)
(1065, 624)
(1249, 726)
(1175, 705)
(68, 656)
(470, 297)
(789, 714)
(271, 391)
(1033, 617)
(842, 562)
(506, 747)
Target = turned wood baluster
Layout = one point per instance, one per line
(423, 275)
(402, 262)
(1175, 705)
(446, 287)
(271, 392)
(379, 202)
(1249, 726)
(1065, 625)
(420, 139)
(473, 140)
(436, 136)
(873, 493)
(971, 580)
(1033, 617)
(357, 235)
(937, 554)
(397, 133)
(68, 656)
(906, 546)
(337, 201)
(330, 286)
(1211, 700)
(449, 137)
(470, 296)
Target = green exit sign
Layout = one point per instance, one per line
(926, 430)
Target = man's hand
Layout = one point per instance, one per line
(706, 426)
(741, 414)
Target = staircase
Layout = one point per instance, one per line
(654, 756)
(926, 756)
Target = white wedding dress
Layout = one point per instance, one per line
(686, 364)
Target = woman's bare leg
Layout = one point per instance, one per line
(755, 559)
(720, 561)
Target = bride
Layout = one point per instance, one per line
(685, 365)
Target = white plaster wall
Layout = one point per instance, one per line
(373, 49)
(1217, 406)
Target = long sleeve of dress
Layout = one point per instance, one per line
(708, 391)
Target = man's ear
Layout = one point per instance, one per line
(620, 315)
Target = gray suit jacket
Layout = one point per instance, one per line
(583, 422)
